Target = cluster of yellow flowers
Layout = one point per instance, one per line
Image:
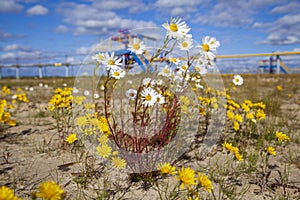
(247, 111)
(48, 190)
(187, 177)
(233, 149)
(213, 101)
(5, 116)
(6, 106)
(91, 124)
(281, 137)
(5, 91)
(62, 99)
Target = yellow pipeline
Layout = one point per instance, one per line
(259, 54)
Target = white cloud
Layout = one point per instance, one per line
(7, 36)
(16, 47)
(8, 6)
(132, 6)
(37, 10)
(19, 56)
(291, 7)
(226, 14)
(91, 20)
(61, 29)
(83, 50)
(177, 3)
(182, 8)
(283, 31)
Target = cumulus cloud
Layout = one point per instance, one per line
(227, 14)
(184, 8)
(8, 6)
(20, 56)
(83, 50)
(133, 6)
(91, 20)
(37, 10)
(16, 47)
(6, 36)
(283, 31)
(61, 29)
(291, 7)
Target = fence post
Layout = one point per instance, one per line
(277, 64)
(40, 71)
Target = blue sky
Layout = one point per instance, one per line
(43, 30)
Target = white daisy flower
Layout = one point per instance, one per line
(175, 61)
(149, 96)
(111, 61)
(86, 93)
(148, 82)
(237, 80)
(198, 85)
(208, 46)
(137, 46)
(160, 99)
(159, 82)
(46, 86)
(41, 84)
(166, 71)
(99, 57)
(102, 87)
(183, 67)
(186, 44)
(31, 89)
(131, 94)
(200, 66)
(14, 97)
(65, 85)
(96, 96)
(177, 29)
(117, 72)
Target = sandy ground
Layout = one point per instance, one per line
(31, 153)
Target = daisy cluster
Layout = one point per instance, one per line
(151, 93)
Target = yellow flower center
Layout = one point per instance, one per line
(136, 46)
(173, 27)
(237, 80)
(184, 44)
(100, 57)
(111, 62)
(116, 73)
(184, 67)
(205, 47)
(148, 97)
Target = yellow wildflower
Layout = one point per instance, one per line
(103, 125)
(71, 138)
(186, 177)
(238, 117)
(104, 151)
(271, 151)
(260, 114)
(230, 115)
(103, 139)
(166, 168)
(7, 194)
(250, 115)
(118, 162)
(238, 156)
(202, 111)
(230, 148)
(205, 182)
(50, 191)
(236, 126)
(282, 137)
(279, 88)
